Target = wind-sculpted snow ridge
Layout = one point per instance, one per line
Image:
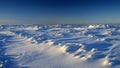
(60, 46)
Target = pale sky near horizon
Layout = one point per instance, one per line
(59, 11)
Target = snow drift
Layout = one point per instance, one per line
(61, 46)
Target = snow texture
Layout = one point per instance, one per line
(60, 46)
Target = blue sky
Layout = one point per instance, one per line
(59, 11)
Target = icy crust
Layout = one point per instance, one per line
(64, 46)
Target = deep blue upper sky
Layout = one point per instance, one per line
(59, 11)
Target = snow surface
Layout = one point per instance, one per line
(60, 46)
